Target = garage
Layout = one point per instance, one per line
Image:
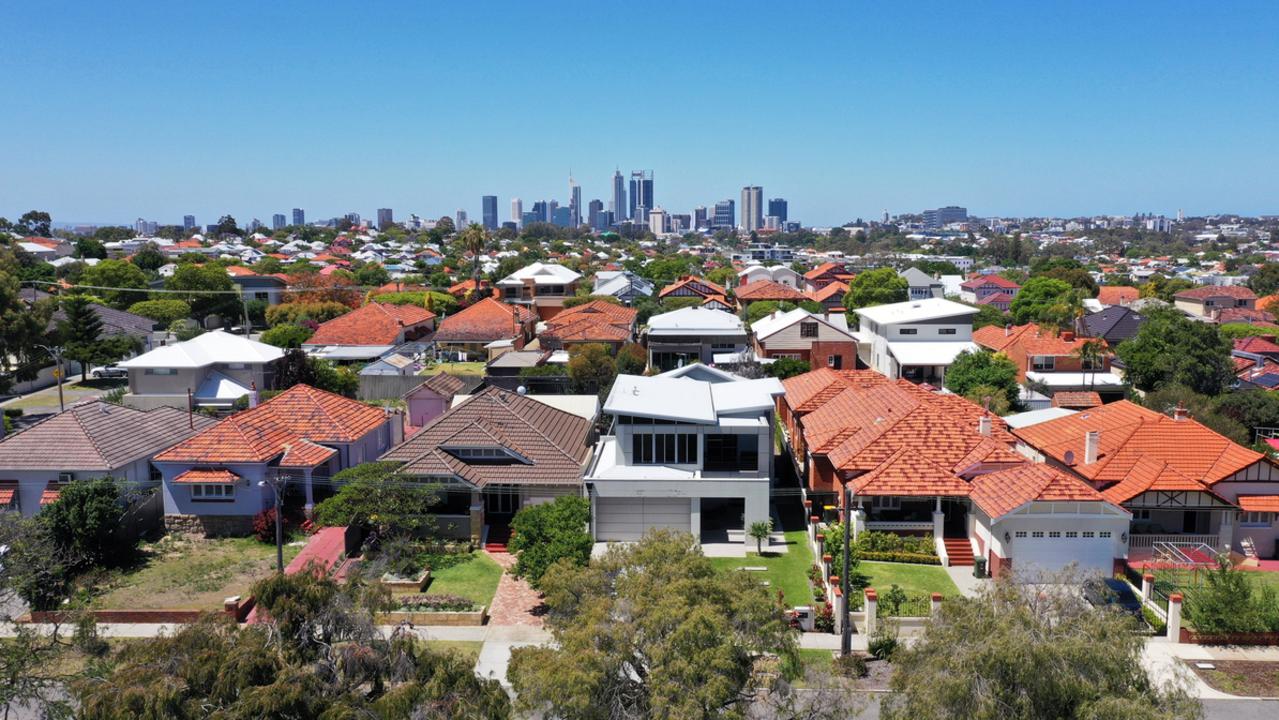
(1039, 551)
(625, 519)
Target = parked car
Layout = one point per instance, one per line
(108, 371)
(1111, 592)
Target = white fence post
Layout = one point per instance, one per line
(936, 604)
(1174, 618)
(1147, 586)
(872, 604)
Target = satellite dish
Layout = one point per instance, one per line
(522, 390)
(1069, 457)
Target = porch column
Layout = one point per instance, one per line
(695, 513)
(1226, 533)
(477, 516)
(310, 500)
(939, 519)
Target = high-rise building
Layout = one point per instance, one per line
(641, 199)
(299, 216)
(777, 208)
(574, 202)
(255, 225)
(188, 223)
(489, 211)
(530, 217)
(551, 207)
(145, 228)
(603, 221)
(725, 215)
(752, 208)
(593, 209)
(562, 216)
(278, 221)
(517, 212)
(657, 221)
(384, 218)
(618, 204)
(699, 217)
(540, 211)
(941, 217)
(679, 222)
(461, 220)
(353, 218)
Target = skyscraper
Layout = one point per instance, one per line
(188, 222)
(942, 217)
(540, 211)
(618, 204)
(489, 211)
(725, 215)
(777, 208)
(657, 221)
(384, 218)
(299, 217)
(461, 220)
(699, 217)
(593, 209)
(641, 200)
(517, 212)
(574, 202)
(278, 221)
(551, 207)
(752, 208)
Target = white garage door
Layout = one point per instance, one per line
(626, 519)
(1050, 554)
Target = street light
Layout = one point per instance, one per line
(277, 484)
(56, 352)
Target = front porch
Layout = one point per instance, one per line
(945, 519)
(1186, 521)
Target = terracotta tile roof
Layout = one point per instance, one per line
(1259, 503)
(1257, 344)
(996, 298)
(485, 321)
(1033, 339)
(466, 286)
(98, 436)
(305, 454)
(551, 444)
(442, 384)
(239, 271)
(826, 291)
(594, 321)
(768, 290)
(301, 413)
(396, 286)
(999, 493)
(809, 391)
(996, 337)
(695, 285)
(1238, 292)
(1077, 400)
(825, 268)
(207, 475)
(373, 324)
(1245, 315)
(996, 280)
(1140, 450)
(1117, 294)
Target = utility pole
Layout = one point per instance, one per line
(846, 641)
(56, 352)
(277, 484)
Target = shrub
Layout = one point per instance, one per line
(85, 524)
(295, 313)
(436, 603)
(264, 526)
(551, 532)
(1228, 602)
(852, 665)
(891, 600)
(901, 557)
(162, 311)
(824, 619)
(1155, 622)
(400, 556)
(883, 642)
(286, 335)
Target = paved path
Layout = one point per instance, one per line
(515, 603)
(968, 585)
(1164, 661)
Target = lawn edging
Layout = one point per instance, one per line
(458, 618)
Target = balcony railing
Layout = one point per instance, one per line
(1148, 541)
(899, 525)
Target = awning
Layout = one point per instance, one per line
(929, 353)
(218, 386)
(1259, 503)
(49, 497)
(206, 475)
(8, 492)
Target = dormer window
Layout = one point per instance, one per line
(490, 455)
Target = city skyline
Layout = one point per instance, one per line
(913, 119)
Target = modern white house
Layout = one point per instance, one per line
(216, 368)
(915, 340)
(624, 285)
(690, 450)
(780, 274)
(693, 334)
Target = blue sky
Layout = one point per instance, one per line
(120, 110)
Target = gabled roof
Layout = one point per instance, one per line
(768, 290)
(695, 285)
(442, 384)
(996, 299)
(541, 274)
(996, 280)
(1114, 323)
(697, 320)
(826, 291)
(999, 493)
(298, 416)
(551, 443)
(1238, 292)
(687, 399)
(1033, 339)
(373, 324)
(213, 347)
(1140, 450)
(98, 436)
(1257, 344)
(486, 320)
(774, 323)
(1076, 400)
(598, 320)
(1117, 294)
(827, 268)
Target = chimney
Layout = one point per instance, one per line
(253, 394)
(1008, 329)
(1260, 362)
(983, 425)
(1092, 446)
(1180, 412)
(1068, 335)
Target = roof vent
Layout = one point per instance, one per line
(1069, 457)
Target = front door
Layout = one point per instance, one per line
(501, 502)
(956, 518)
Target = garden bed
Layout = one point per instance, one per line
(435, 609)
(1240, 677)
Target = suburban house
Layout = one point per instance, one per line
(1113, 324)
(489, 321)
(370, 332)
(1185, 485)
(690, 450)
(830, 296)
(767, 290)
(989, 290)
(1208, 301)
(430, 399)
(91, 440)
(1052, 358)
(819, 340)
(624, 285)
(213, 369)
(692, 286)
(922, 462)
(921, 285)
(1112, 295)
(118, 322)
(917, 339)
(780, 274)
(267, 288)
(543, 286)
(825, 274)
(694, 334)
(494, 453)
(598, 321)
(216, 480)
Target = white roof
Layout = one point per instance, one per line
(698, 320)
(746, 395)
(1034, 417)
(1076, 379)
(778, 321)
(348, 352)
(541, 274)
(915, 311)
(683, 398)
(929, 353)
(210, 348)
(218, 386)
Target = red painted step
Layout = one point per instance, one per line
(959, 550)
(498, 537)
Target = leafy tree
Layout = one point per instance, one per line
(1164, 288)
(1266, 280)
(1236, 331)
(185, 329)
(994, 399)
(118, 282)
(650, 630)
(296, 367)
(1037, 298)
(787, 367)
(163, 311)
(938, 267)
(226, 226)
(1025, 652)
(90, 248)
(79, 331)
(298, 313)
(22, 325)
(547, 533)
(286, 336)
(1202, 408)
(983, 369)
(35, 568)
(1076, 277)
(149, 258)
(33, 673)
(372, 275)
(377, 495)
(85, 522)
(206, 288)
(1228, 602)
(34, 223)
(632, 359)
(1172, 349)
(436, 302)
(876, 287)
(989, 315)
(591, 368)
(1250, 408)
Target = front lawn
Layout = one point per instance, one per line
(455, 368)
(914, 579)
(186, 573)
(475, 579)
(787, 571)
(469, 649)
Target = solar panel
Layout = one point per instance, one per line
(1266, 381)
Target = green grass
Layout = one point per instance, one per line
(787, 572)
(455, 368)
(817, 660)
(1191, 578)
(469, 649)
(475, 579)
(914, 579)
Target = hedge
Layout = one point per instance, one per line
(901, 557)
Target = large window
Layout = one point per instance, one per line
(1043, 363)
(1256, 519)
(213, 492)
(732, 452)
(808, 330)
(664, 448)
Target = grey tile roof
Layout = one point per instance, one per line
(97, 436)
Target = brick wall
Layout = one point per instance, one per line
(210, 525)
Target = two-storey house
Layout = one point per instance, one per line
(694, 334)
(1057, 360)
(819, 340)
(1210, 300)
(541, 286)
(917, 339)
(211, 370)
(989, 290)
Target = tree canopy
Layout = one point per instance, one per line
(1037, 298)
(876, 287)
(116, 274)
(1173, 349)
(983, 369)
(378, 496)
(549, 532)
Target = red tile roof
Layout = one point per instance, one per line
(1257, 344)
(206, 475)
(373, 324)
(305, 454)
(1117, 294)
(826, 291)
(1238, 292)
(1033, 339)
(996, 280)
(1076, 400)
(999, 298)
(827, 268)
(485, 321)
(595, 321)
(1259, 503)
(999, 493)
(695, 285)
(1244, 315)
(768, 290)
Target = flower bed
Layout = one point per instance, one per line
(436, 603)
(437, 609)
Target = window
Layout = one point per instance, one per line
(664, 449)
(480, 453)
(1043, 363)
(219, 492)
(1037, 534)
(790, 355)
(946, 331)
(1089, 534)
(1054, 534)
(1256, 519)
(832, 361)
(1020, 534)
(723, 346)
(1072, 534)
(808, 330)
(236, 366)
(1088, 364)
(908, 331)
(161, 371)
(1104, 534)
(886, 503)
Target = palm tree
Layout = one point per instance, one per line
(1091, 354)
(474, 240)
